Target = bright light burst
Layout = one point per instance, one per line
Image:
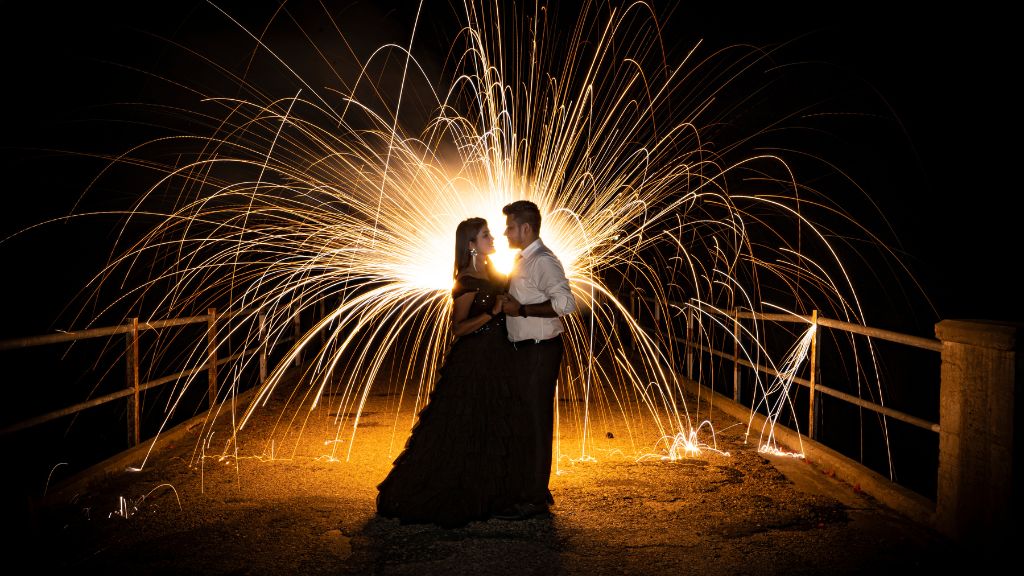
(328, 202)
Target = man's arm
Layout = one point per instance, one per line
(552, 282)
(539, 310)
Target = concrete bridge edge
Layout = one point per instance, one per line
(900, 499)
(121, 462)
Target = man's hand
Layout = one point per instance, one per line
(511, 306)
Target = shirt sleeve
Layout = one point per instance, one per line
(552, 282)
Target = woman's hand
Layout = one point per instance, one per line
(499, 303)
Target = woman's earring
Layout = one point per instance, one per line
(472, 255)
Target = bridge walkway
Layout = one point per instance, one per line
(205, 502)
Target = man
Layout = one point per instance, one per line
(539, 295)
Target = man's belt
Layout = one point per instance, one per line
(531, 341)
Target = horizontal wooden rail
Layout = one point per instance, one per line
(931, 344)
(134, 387)
(818, 388)
(57, 338)
(67, 411)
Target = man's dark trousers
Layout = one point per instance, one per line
(540, 363)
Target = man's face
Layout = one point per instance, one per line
(514, 232)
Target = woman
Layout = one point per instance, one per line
(464, 461)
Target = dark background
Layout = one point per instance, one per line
(920, 101)
(913, 105)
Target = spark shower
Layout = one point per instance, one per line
(336, 200)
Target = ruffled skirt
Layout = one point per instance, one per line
(465, 459)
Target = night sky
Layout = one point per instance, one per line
(937, 133)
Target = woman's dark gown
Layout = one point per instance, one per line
(464, 460)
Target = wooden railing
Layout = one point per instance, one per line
(134, 386)
(811, 383)
(979, 367)
(979, 371)
(731, 328)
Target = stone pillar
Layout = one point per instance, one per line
(975, 504)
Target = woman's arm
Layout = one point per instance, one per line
(462, 324)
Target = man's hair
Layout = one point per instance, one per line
(524, 212)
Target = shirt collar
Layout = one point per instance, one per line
(533, 247)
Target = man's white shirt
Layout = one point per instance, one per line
(538, 276)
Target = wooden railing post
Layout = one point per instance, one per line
(132, 365)
(736, 357)
(211, 338)
(812, 412)
(263, 347)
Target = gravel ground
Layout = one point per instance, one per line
(287, 507)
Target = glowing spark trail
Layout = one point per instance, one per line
(339, 205)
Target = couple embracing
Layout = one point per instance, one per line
(481, 447)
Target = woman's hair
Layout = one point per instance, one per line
(464, 233)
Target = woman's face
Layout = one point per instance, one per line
(484, 242)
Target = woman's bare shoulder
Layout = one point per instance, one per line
(465, 283)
